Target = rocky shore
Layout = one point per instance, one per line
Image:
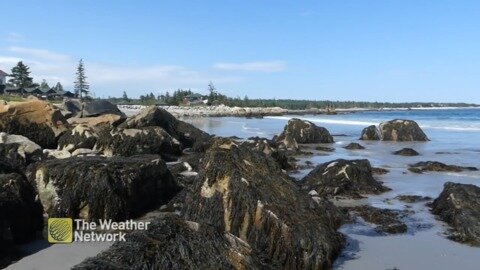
(218, 202)
(222, 110)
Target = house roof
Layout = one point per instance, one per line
(3, 73)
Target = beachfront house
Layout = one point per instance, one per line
(40, 92)
(194, 99)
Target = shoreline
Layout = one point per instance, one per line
(226, 111)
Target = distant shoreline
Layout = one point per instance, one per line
(226, 111)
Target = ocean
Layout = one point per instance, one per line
(455, 139)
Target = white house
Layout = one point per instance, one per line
(3, 77)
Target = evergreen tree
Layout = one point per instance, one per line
(81, 85)
(21, 76)
(125, 97)
(44, 84)
(58, 87)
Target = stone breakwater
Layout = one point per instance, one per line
(221, 110)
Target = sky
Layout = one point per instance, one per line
(379, 50)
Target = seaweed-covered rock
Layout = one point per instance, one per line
(388, 221)
(459, 206)
(93, 188)
(37, 120)
(268, 147)
(435, 166)
(128, 142)
(325, 149)
(349, 178)
(173, 243)
(10, 158)
(395, 130)
(305, 132)
(371, 133)
(412, 198)
(243, 192)
(406, 152)
(186, 133)
(20, 216)
(82, 136)
(354, 146)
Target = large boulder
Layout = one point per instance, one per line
(173, 243)
(243, 192)
(128, 142)
(269, 148)
(89, 108)
(348, 178)
(37, 120)
(98, 123)
(459, 206)
(16, 152)
(93, 188)
(305, 132)
(395, 130)
(408, 152)
(186, 133)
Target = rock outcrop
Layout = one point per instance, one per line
(268, 147)
(348, 178)
(395, 130)
(98, 123)
(387, 220)
(186, 133)
(173, 243)
(93, 188)
(354, 146)
(303, 131)
(37, 120)
(406, 152)
(16, 152)
(459, 206)
(435, 166)
(241, 191)
(128, 142)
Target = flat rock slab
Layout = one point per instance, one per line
(435, 166)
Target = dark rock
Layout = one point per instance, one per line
(36, 120)
(341, 177)
(406, 152)
(380, 171)
(10, 158)
(325, 149)
(186, 133)
(370, 133)
(459, 206)
(100, 107)
(173, 243)
(128, 142)
(436, 166)
(354, 146)
(395, 130)
(243, 192)
(268, 147)
(93, 188)
(412, 198)
(81, 136)
(20, 216)
(388, 221)
(305, 132)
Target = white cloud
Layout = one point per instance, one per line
(39, 54)
(268, 67)
(14, 37)
(108, 78)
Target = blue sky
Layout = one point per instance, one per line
(337, 50)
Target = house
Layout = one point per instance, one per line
(3, 77)
(194, 99)
(41, 92)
